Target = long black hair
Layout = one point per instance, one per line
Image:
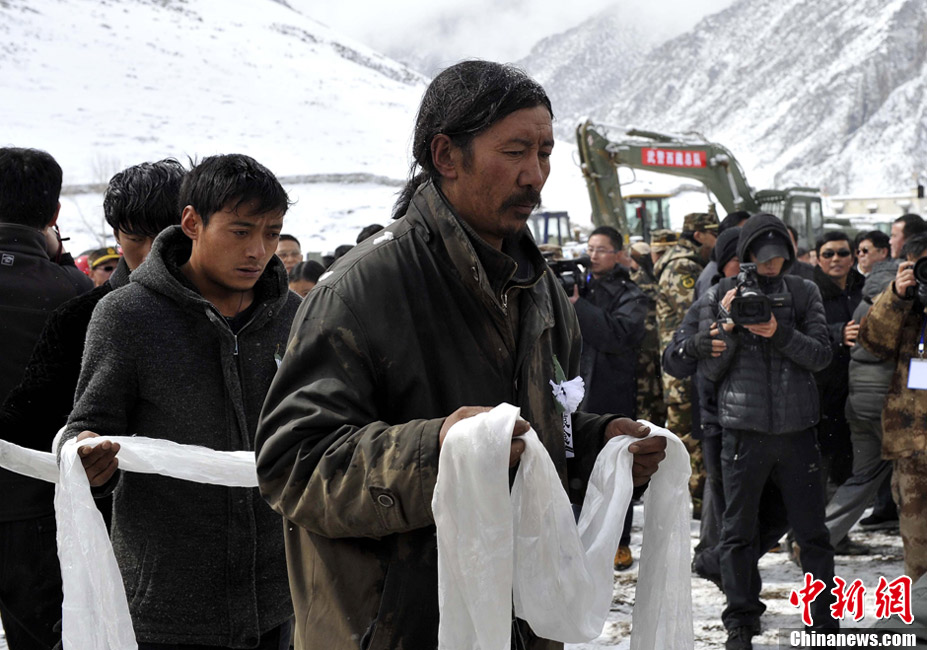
(461, 102)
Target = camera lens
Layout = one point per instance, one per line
(920, 271)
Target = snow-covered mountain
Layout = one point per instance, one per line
(804, 92)
(593, 59)
(105, 84)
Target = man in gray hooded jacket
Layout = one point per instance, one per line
(186, 353)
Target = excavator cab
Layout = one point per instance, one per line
(799, 207)
(550, 227)
(646, 213)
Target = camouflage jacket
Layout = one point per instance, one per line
(408, 327)
(677, 272)
(892, 331)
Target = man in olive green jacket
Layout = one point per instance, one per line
(449, 309)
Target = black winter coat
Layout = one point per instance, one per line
(31, 288)
(767, 384)
(611, 317)
(839, 305)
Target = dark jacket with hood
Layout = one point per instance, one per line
(767, 384)
(41, 403)
(202, 564)
(31, 287)
(409, 326)
(680, 364)
(870, 376)
(839, 306)
(611, 317)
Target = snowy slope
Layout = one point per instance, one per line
(106, 84)
(811, 92)
(593, 59)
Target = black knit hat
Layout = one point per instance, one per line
(726, 246)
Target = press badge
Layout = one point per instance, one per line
(568, 434)
(917, 374)
(917, 371)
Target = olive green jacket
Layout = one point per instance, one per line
(407, 328)
(892, 331)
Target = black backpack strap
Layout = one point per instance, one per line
(796, 286)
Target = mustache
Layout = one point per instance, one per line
(527, 197)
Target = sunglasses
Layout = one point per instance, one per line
(843, 252)
(108, 267)
(866, 251)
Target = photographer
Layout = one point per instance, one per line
(611, 313)
(768, 408)
(894, 329)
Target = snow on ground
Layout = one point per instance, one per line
(779, 574)
(780, 577)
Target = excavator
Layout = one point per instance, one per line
(603, 149)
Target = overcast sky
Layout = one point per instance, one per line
(450, 30)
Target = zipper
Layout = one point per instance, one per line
(769, 404)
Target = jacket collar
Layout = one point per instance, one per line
(120, 276)
(161, 273)
(15, 238)
(483, 269)
(830, 289)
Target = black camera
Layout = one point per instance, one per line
(920, 275)
(571, 273)
(750, 305)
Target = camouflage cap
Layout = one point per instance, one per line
(662, 239)
(696, 221)
(640, 248)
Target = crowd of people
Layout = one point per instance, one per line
(208, 326)
(791, 384)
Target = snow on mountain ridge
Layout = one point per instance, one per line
(131, 81)
(804, 92)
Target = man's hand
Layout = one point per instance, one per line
(575, 296)
(850, 332)
(766, 330)
(717, 345)
(647, 453)
(728, 299)
(904, 278)
(521, 427)
(705, 344)
(99, 462)
(53, 245)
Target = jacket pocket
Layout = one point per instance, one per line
(375, 637)
(142, 579)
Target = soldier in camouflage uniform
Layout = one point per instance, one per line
(894, 330)
(676, 273)
(410, 332)
(650, 405)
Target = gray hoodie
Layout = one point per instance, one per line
(870, 377)
(202, 565)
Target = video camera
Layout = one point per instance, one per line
(751, 306)
(571, 273)
(920, 275)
